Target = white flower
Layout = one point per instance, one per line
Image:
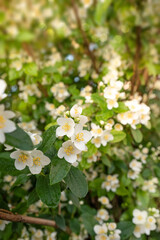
(83, 120)
(68, 151)
(52, 236)
(103, 214)
(105, 201)
(81, 137)
(75, 111)
(112, 103)
(3, 86)
(96, 141)
(22, 159)
(36, 139)
(139, 216)
(101, 237)
(96, 130)
(87, 3)
(135, 165)
(118, 127)
(110, 93)
(66, 127)
(39, 160)
(106, 137)
(139, 229)
(150, 225)
(112, 226)
(100, 229)
(3, 224)
(6, 125)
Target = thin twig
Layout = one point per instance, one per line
(136, 78)
(84, 36)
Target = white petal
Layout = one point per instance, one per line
(2, 137)
(60, 153)
(9, 114)
(45, 160)
(19, 165)
(71, 158)
(35, 169)
(60, 132)
(9, 126)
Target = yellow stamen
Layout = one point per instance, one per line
(2, 122)
(69, 150)
(36, 161)
(79, 137)
(66, 127)
(22, 158)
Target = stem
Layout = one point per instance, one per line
(84, 36)
(135, 82)
(9, 216)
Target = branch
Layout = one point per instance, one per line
(9, 216)
(85, 39)
(136, 78)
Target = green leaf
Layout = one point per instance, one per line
(137, 135)
(59, 170)
(14, 74)
(100, 100)
(118, 136)
(74, 199)
(121, 108)
(60, 221)
(21, 179)
(19, 139)
(25, 36)
(143, 198)
(91, 150)
(49, 137)
(101, 11)
(89, 222)
(33, 197)
(75, 225)
(30, 69)
(126, 228)
(7, 165)
(76, 182)
(50, 195)
(104, 115)
(122, 191)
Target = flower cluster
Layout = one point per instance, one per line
(78, 136)
(35, 160)
(59, 92)
(111, 183)
(139, 113)
(144, 223)
(100, 136)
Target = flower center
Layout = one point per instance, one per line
(66, 127)
(36, 161)
(76, 111)
(140, 217)
(106, 137)
(22, 158)
(2, 122)
(69, 150)
(79, 137)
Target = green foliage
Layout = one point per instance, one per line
(50, 195)
(76, 182)
(59, 170)
(19, 139)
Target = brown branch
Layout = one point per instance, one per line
(25, 219)
(9, 216)
(136, 78)
(85, 39)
